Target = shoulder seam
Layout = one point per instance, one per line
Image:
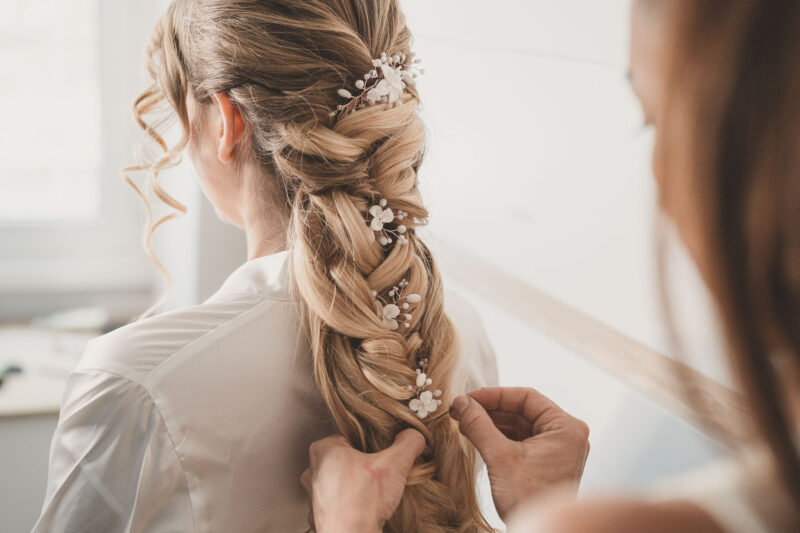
(216, 328)
(191, 343)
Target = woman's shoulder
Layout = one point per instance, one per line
(134, 350)
(742, 493)
(554, 513)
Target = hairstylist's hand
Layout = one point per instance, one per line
(528, 443)
(357, 492)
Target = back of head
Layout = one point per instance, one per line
(348, 183)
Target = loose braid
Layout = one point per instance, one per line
(281, 63)
(362, 368)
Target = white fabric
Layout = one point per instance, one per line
(719, 491)
(199, 419)
(742, 494)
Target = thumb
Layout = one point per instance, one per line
(476, 424)
(407, 446)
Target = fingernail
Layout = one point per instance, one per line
(458, 406)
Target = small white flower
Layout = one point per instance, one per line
(391, 86)
(392, 74)
(380, 217)
(374, 96)
(425, 404)
(388, 313)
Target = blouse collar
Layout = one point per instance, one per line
(266, 276)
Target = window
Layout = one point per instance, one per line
(70, 228)
(49, 170)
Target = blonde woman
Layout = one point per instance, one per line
(300, 117)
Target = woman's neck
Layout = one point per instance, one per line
(264, 223)
(261, 241)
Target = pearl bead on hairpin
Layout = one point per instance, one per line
(425, 401)
(394, 311)
(382, 215)
(391, 310)
(384, 83)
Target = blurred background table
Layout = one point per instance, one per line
(29, 403)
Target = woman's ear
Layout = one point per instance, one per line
(231, 127)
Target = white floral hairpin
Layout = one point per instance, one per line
(425, 401)
(390, 311)
(385, 83)
(382, 215)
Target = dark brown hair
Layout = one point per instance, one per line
(730, 129)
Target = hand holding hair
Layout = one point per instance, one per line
(529, 444)
(358, 492)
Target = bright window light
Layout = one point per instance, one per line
(49, 168)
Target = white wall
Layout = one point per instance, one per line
(539, 163)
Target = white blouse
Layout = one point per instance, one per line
(200, 419)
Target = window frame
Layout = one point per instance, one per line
(99, 260)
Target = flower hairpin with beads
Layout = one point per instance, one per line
(393, 310)
(425, 400)
(381, 216)
(384, 83)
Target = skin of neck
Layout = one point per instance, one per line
(259, 215)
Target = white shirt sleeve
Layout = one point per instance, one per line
(480, 362)
(113, 466)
